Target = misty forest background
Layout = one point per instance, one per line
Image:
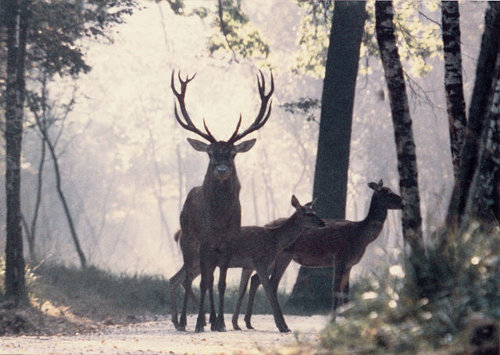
(101, 129)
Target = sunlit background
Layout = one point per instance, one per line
(126, 165)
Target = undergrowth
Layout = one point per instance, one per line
(407, 309)
(98, 294)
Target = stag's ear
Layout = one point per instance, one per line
(295, 201)
(374, 186)
(245, 146)
(197, 145)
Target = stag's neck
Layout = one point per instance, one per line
(287, 233)
(374, 221)
(221, 193)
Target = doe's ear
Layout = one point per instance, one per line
(295, 201)
(198, 145)
(245, 146)
(374, 186)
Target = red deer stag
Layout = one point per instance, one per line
(255, 248)
(211, 215)
(340, 244)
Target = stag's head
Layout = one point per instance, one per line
(306, 215)
(222, 153)
(385, 196)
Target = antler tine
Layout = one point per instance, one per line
(264, 112)
(235, 133)
(207, 130)
(188, 124)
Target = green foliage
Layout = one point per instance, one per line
(426, 307)
(418, 38)
(236, 35)
(305, 105)
(56, 26)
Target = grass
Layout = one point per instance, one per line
(82, 299)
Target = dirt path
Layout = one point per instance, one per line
(160, 337)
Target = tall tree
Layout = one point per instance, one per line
(479, 104)
(453, 82)
(403, 134)
(480, 204)
(16, 20)
(332, 162)
(51, 28)
(44, 120)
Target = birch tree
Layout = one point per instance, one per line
(453, 82)
(403, 133)
(477, 120)
(481, 198)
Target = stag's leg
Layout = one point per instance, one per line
(273, 300)
(339, 269)
(220, 324)
(213, 316)
(245, 276)
(281, 263)
(207, 267)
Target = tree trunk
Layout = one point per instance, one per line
(481, 199)
(69, 218)
(453, 83)
(405, 145)
(16, 17)
(314, 286)
(477, 112)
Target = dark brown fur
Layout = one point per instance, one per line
(255, 248)
(340, 244)
(211, 215)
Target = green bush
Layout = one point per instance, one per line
(424, 304)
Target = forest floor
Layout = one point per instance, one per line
(95, 312)
(158, 336)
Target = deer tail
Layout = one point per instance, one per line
(178, 235)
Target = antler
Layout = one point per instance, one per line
(189, 125)
(264, 111)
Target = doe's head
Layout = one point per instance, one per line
(306, 215)
(386, 196)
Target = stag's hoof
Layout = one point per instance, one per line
(285, 330)
(236, 326)
(180, 328)
(200, 325)
(248, 324)
(183, 321)
(220, 326)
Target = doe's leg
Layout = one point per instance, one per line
(245, 276)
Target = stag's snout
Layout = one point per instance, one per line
(222, 172)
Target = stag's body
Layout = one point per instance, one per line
(255, 248)
(211, 215)
(340, 244)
